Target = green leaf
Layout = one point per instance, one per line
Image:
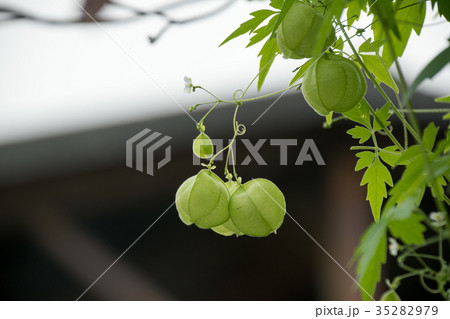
(444, 99)
(369, 46)
(429, 136)
(287, 4)
(353, 12)
(411, 183)
(381, 118)
(371, 254)
(262, 32)
(267, 54)
(379, 68)
(371, 251)
(392, 157)
(432, 68)
(444, 8)
(409, 230)
(416, 177)
(276, 4)
(384, 18)
(301, 71)
(411, 153)
(365, 160)
(339, 44)
(410, 15)
(250, 25)
(360, 113)
(440, 183)
(376, 176)
(360, 132)
(404, 224)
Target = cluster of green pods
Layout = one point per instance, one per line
(256, 208)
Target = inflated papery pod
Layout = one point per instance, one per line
(297, 35)
(257, 208)
(228, 228)
(333, 84)
(203, 200)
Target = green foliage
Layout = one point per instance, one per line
(410, 230)
(270, 49)
(268, 53)
(301, 71)
(381, 117)
(250, 25)
(399, 19)
(369, 46)
(376, 177)
(443, 8)
(354, 8)
(390, 155)
(287, 4)
(360, 114)
(361, 133)
(379, 68)
(424, 165)
(334, 11)
(444, 99)
(371, 254)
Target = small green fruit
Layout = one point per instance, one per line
(228, 228)
(333, 84)
(203, 200)
(257, 208)
(390, 295)
(297, 34)
(203, 146)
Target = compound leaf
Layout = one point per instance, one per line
(250, 25)
(429, 136)
(360, 113)
(391, 155)
(376, 176)
(444, 99)
(268, 53)
(360, 132)
(380, 69)
(365, 160)
(371, 254)
(381, 118)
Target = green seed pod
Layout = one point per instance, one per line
(333, 84)
(203, 146)
(390, 295)
(182, 200)
(203, 200)
(297, 35)
(257, 208)
(228, 228)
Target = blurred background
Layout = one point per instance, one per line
(72, 92)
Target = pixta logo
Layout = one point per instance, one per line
(143, 145)
(308, 151)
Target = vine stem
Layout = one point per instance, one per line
(382, 92)
(403, 87)
(376, 148)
